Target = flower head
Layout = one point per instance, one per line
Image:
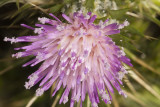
(78, 55)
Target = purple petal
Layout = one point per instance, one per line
(29, 27)
(92, 19)
(55, 17)
(111, 26)
(67, 18)
(112, 32)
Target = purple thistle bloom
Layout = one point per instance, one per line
(78, 55)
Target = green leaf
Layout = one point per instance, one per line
(89, 4)
(22, 15)
(56, 8)
(3, 2)
(68, 1)
(118, 14)
(123, 41)
(17, 3)
(21, 9)
(151, 18)
(157, 2)
(119, 38)
(135, 31)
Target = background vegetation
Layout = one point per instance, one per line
(140, 39)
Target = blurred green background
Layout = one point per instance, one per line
(140, 39)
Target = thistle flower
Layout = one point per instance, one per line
(78, 55)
